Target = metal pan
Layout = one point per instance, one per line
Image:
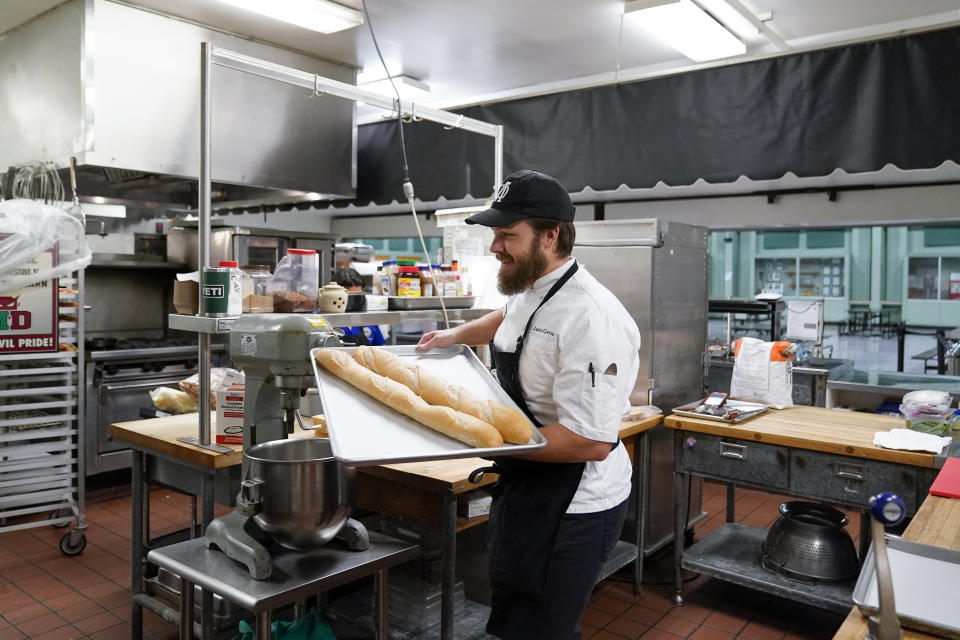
(925, 580)
(747, 410)
(364, 431)
(415, 303)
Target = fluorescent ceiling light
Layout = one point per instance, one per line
(686, 27)
(409, 88)
(324, 16)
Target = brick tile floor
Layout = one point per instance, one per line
(45, 595)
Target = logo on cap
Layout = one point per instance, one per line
(503, 190)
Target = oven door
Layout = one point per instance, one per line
(259, 250)
(120, 400)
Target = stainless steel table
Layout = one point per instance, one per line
(297, 575)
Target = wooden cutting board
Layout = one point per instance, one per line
(160, 435)
(815, 428)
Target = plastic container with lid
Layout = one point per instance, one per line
(255, 285)
(296, 282)
(235, 292)
(408, 281)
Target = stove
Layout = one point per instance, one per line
(120, 373)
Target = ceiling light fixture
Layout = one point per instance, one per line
(409, 88)
(324, 16)
(686, 27)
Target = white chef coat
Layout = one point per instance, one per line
(582, 327)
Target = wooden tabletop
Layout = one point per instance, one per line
(847, 433)
(160, 435)
(937, 523)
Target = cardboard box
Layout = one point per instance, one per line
(376, 303)
(473, 504)
(186, 297)
(229, 427)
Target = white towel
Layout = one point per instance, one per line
(909, 440)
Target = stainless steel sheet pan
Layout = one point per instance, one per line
(925, 580)
(364, 431)
(747, 410)
(415, 303)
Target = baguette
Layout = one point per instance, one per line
(512, 425)
(398, 397)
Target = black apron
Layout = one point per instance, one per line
(529, 500)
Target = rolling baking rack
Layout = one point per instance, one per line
(41, 434)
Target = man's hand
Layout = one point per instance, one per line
(437, 339)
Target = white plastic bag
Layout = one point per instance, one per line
(172, 400)
(763, 372)
(191, 385)
(31, 228)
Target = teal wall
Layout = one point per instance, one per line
(876, 265)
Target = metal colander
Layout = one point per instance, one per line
(808, 543)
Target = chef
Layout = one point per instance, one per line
(567, 352)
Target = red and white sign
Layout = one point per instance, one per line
(28, 316)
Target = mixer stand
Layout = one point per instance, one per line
(238, 536)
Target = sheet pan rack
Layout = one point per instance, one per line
(41, 434)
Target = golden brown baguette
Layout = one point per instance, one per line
(398, 397)
(512, 425)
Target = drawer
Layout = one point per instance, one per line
(734, 460)
(850, 480)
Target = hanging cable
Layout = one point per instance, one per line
(408, 191)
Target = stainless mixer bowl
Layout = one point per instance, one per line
(808, 543)
(305, 491)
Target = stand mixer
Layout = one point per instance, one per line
(273, 352)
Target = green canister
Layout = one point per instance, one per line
(214, 291)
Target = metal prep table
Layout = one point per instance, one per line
(424, 494)
(808, 452)
(936, 523)
(297, 576)
(420, 493)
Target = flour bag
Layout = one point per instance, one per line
(763, 372)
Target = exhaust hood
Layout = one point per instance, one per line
(119, 89)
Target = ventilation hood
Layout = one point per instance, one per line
(118, 88)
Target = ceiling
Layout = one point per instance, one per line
(486, 50)
(476, 51)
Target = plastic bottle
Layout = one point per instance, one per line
(449, 282)
(235, 292)
(466, 283)
(427, 282)
(390, 269)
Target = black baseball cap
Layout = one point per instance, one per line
(526, 194)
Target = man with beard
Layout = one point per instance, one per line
(567, 352)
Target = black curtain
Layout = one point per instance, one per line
(857, 108)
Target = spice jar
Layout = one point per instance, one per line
(408, 281)
(333, 298)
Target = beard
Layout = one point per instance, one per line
(518, 274)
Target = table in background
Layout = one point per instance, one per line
(808, 452)
(297, 576)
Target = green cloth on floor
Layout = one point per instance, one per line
(309, 627)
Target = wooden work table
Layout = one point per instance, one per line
(812, 453)
(936, 523)
(848, 433)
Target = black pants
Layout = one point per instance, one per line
(583, 544)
